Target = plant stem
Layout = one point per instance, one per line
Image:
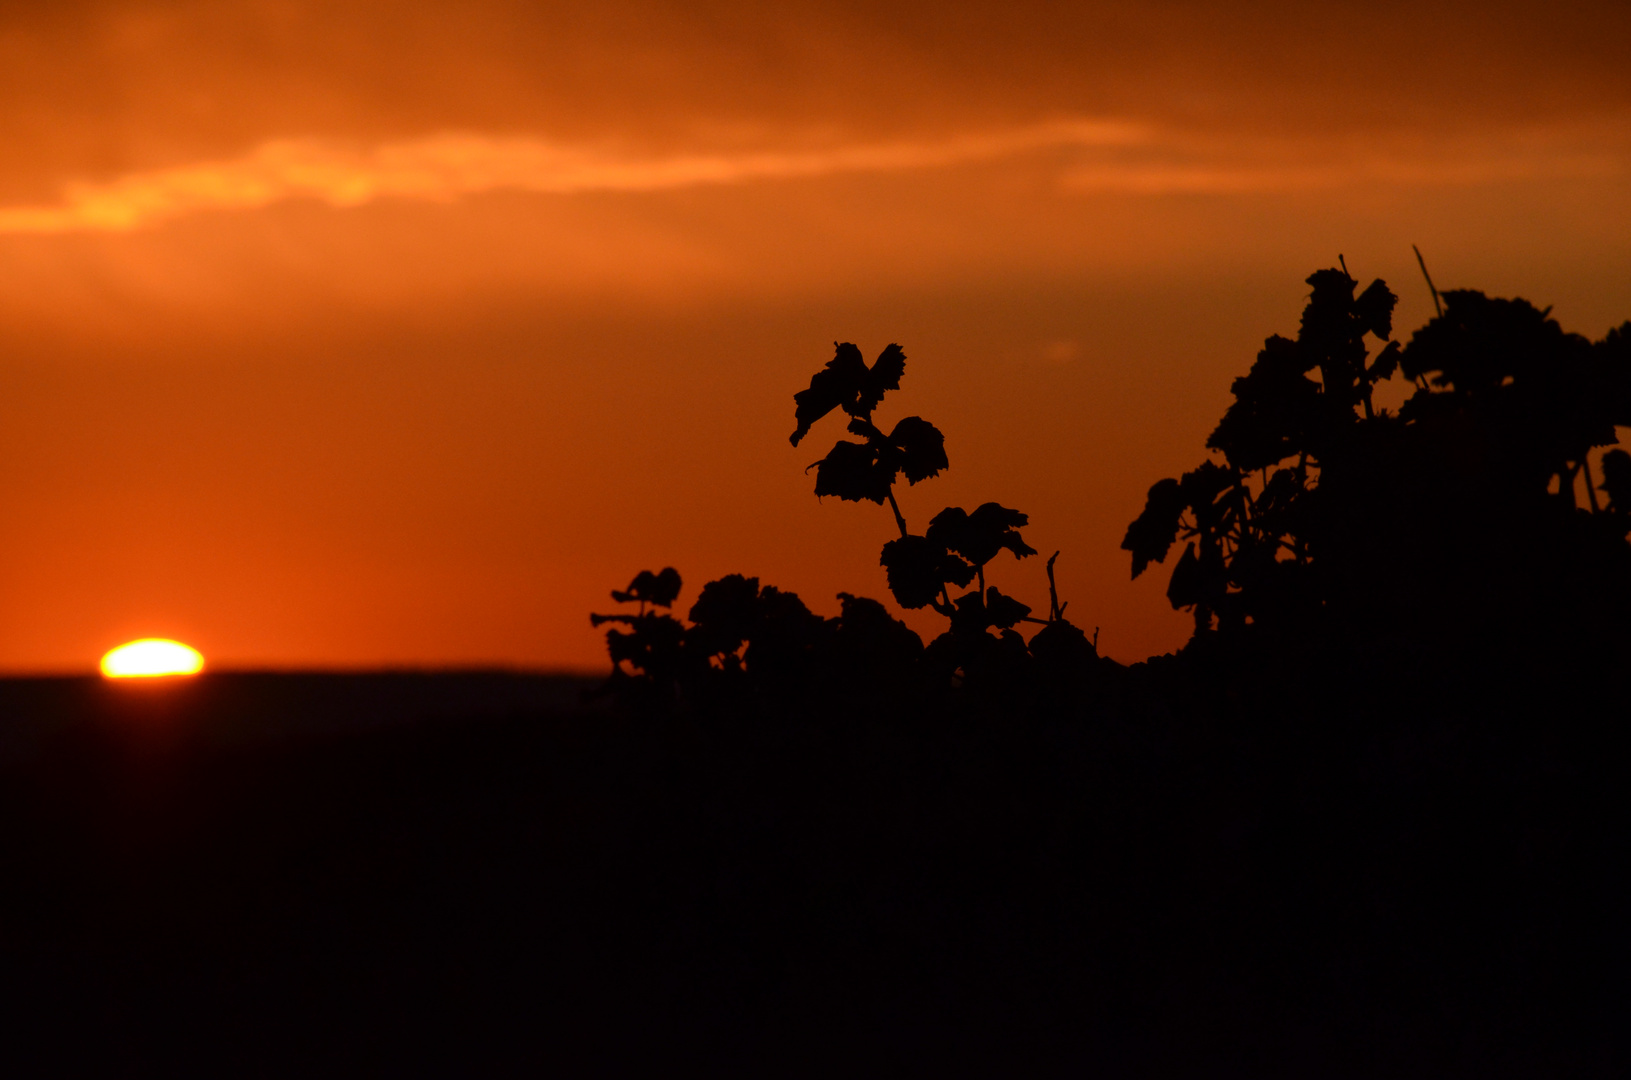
(1421, 262)
(893, 505)
(1053, 590)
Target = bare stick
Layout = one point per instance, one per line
(1053, 591)
(1421, 262)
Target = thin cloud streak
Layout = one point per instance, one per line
(1098, 156)
(447, 167)
(1244, 167)
(1208, 179)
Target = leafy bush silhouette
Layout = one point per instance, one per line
(1448, 528)
(1378, 791)
(744, 635)
(1460, 510)
(953, 551)
(743, 643)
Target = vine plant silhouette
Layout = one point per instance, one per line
(1452, 523)
(957, 545)
(739, 630)
(1328, 511)
(1247, 552)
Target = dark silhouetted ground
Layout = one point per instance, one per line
(474, 875)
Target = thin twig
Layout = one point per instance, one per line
(1421, 262)
(1053, 591)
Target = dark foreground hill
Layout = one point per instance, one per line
(474, 875)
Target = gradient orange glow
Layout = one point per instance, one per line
(398, 334)
(152, 658)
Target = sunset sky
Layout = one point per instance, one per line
(338, 335)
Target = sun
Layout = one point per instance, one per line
(152, 657)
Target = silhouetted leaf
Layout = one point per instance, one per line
(659, 589)
(1373, 309)
(949, 526)
(1200, 579)
(995, 520)
(852, 472)
(847, 383)
(919, 567)
(1386, 363)
(969, 616)
(837, 384)
(1278, 493)
(1480, 342)
(1275, 408)
(725, 614)
(651, 646)
(1151, 534)
(1327, 319)
(921, 446)
(1003, 611)
(884, 375)
(1202, 487)
(1616, 467)
(865, 429)
(980, 535)
(1185, 587)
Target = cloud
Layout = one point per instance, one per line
(1204, 165)
(448, 167)
(1098, 156)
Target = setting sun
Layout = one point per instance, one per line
(151, 657)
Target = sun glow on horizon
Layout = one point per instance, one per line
(150, 658)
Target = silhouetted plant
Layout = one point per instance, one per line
(953, 551)
(1247, 552)
(957, 545)
(741, 634)
(739, 631)
(1321, 499)
(1455, 516)
(652, 650)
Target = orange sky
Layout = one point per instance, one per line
(339, 335)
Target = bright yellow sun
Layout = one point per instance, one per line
(152, 657)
